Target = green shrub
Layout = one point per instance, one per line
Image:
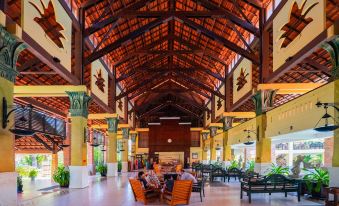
(250, 166)
(19, 184)
(318, 177)
(119, 166)
(23, 171)
(234, 164)
(278, 169)
(33, 173)
(61, 176)
(102, 169)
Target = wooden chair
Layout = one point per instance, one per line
(334, 200)
(178, 168)
(140, 194)
(181, 193)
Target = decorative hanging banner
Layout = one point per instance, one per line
(296, 25)
(99, 81)
(242, 79)
(47, 23)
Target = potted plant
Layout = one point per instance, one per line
(119, 166)
(19, 184)
(102, 169)
(315, 181)
(250, 166)
(61, 176)
(33, 173)
(234, 164)
(278, 169)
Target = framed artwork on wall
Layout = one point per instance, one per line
(195, 155)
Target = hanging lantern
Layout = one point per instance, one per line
(249, 142)
(95, 139)
(326, 118)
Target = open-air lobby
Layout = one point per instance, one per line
(169, 102)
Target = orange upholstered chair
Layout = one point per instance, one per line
(140, 194)
(181, 193)
(178, 168)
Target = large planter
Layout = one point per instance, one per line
(20, 189)
(318, 195)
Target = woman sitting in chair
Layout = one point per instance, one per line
(142, 179)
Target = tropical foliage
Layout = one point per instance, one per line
(234, 164)
(250, 166)
(102, 169)
(277, 169)
(19, 184)
(119, 166)
(62, 176)
(33, 173)
(316, 178)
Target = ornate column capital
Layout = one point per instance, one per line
(227, 123)
(125, 132)
(9, 53)
(133, 135)
(112, 123)
(79, 102)
(332, 47)
(263, 100)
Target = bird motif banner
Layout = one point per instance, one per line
(47, 23)
(99, 81)
(242, 79)
(296, 25)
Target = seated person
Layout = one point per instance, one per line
(187, 176)
(169, 184)
(142, 179)
(153, 179)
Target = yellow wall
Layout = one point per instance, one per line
(218, 112)
(237, 133)
(301, 113)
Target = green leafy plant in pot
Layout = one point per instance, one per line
(315, 181)
(278, 170)
(61, 176)
(33, 173)
(234, 164)
(19, 184)
(119, 166)
(250, 166)
(102, 169)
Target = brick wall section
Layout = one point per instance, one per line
(328, 152)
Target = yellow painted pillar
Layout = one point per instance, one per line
(133, 135)
(335, 159)
(213, 149)
(263, 100)
(204, 151)
(334, 170)
(227, 124)
(10, 50)
(79, 102)
(112, 165)
(124, 153)
(54, 163)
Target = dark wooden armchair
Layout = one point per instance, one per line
(141, 194)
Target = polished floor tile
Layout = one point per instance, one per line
(116, 191)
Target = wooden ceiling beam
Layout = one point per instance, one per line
(90, 3)
(229, 15)
(111, 47)
(137, 86)
(227, 43)
(187, 78)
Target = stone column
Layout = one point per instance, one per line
(10, 49)
(112, 165)
(263, 101)
(124, 154)
(79, 102)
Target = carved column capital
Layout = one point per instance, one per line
(9, 53)
(112, 124)
(227, 123)
(332, 47)
(125, 132)
(263, 100)
(79, 103)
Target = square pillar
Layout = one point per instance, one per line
(112, 165)
(55, 162)
(79, 102)
(10, 50)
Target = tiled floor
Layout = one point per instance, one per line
(116, 191)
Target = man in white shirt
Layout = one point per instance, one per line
(187, 176)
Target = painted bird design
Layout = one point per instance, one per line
(48, 23)
(100, 82)
(297, 22)
(241, 80)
